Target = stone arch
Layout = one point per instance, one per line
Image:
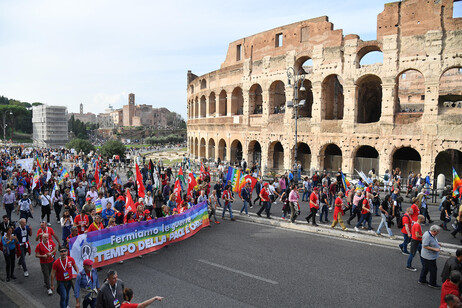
(303, 65)
(364, 51)
(212, 104)
(276, 156)
(222, 150)
(332, 157)
(203, 106)
(406, 159)
(203, 84)
(237, 102)
(369, 99)
(307, 95)
(196, 148)
(202, 148)
(332, 97)
(366, 158)
(255, 99)
(445, 161)
(222, 104)
(254, 152)
(410, 91)
(304, 156)
(450, 90)
(277, 97)
(236, 152)
(211, 149)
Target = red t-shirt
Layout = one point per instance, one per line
(48, 230)
(128, 305)
(63, 269)
(416, 228)
(338, 207)
(81, 223)
(264, 193)
(314, 201)
(415, 212)
(366, 207)
(43, 249)
(94, 227)
(406, 220)
(227, 195)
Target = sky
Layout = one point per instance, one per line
(96, 52)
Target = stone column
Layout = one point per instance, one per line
(207, 107)
(246, 119)
(264, 157)
(228, 103)
(349, 107)
(266, 111)
(389, 93)
(317, 106)
(430, 115)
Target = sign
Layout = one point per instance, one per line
(127, 241)
(27, 164)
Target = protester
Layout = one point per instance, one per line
(111, 293)
(62, 272)
(416, 242)
(406, 231)
(338, 212)
(22, 233)
(45, 251)
(9, 242)
(45, 202)
(314, 206)
(451, 285)
(128, 296)
(86, 286)
(452, 264)
(228, 197)
(430, 252)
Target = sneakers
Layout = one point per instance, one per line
(356, 229)
(392, 237)
(50, 292)
(346, 229)
(378, 234)
(121, 262)
(48, 224)
(259, 215)
(371, 231)
(405, 253)
(422, 282)
(233, 219)
(434, 286)
(217, 222)
(26, 274)
(410, 268)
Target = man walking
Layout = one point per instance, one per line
(228, 197)
(430, 252)
(22, 233)
(264, 197)
(406, 231)
(45, 251)
(416, 242)
(111, 294)
(62, 270)
(86, 286)
(8, 202)
(314, 206)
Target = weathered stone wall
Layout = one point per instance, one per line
(416, 37)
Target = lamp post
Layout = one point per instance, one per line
(295, 78)
(4, 113)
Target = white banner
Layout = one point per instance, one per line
(27, 164)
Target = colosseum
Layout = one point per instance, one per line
(405, 111)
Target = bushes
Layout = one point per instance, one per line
(113, 147)
(80, 145)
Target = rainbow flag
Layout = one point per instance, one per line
(234, 176)
(346, 183)
(99, 206)
(456, 182)
(360, 186)
(64, 174)
(72, 192)
(36, 178)
(53, 192)
(39, 167)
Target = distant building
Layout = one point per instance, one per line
(84, 117)
(141, 115)
(49, 124)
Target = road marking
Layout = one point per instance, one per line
(238, 271)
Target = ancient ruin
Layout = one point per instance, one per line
(405, 112)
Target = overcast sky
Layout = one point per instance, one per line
(95, 52)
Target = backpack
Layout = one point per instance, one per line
(386, 177)
(399, 222)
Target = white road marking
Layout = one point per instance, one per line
(238, 271)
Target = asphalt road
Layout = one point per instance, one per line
(241, 264)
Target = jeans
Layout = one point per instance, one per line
(365, 218)
(384, 222)
(428, 266)
(313, 212)
(376, 209)
(457, 229)
(9, 261)
(324, 212)
(22, 259)
(306, 195)
(228, 207)
(403, 245)
(9, 208)
(267, 207)
(80, 203)
(87, 302)
(63, 289)
(244, 207)
(415, 246)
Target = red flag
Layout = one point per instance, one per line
(177, 191)
(139, 182)
(129, 204)
(202, 168)
(97, 174)
(250, 179)
(191, 183)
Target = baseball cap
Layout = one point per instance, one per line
(88, 262)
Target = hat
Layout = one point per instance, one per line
(24, 194)
(88, 262)
(266, 184)
(140, 200)
(147, 212)
(88, 199)
(315, 188)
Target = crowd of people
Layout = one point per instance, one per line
(91, 178)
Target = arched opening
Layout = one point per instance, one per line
(202, 149)
(307, 95)
(196, 148)
(203, 84)
(304, 65)
(256, 99)
(255, 152)
(202, 107)
(212, 104)
(411, 91)
(222, 104)
(445, 161)
(332, 158)
(277, 156)
(211, 149)
(222, 150)
(450, 93)
(237, 102)
(406, 159)
(191, 88)
(369, 98)
(332, 98)
(277, 97)
(304, 156)
(366, 159)
(236, 152)
(196, 108)
(369, 55)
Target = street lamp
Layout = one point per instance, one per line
(4, 113)
(295, 78)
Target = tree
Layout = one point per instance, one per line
(113, 147)
(80, 145)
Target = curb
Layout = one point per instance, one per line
(19, 295)
(325, 230)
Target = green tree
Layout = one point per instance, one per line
(113, 147)
(80, 145)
